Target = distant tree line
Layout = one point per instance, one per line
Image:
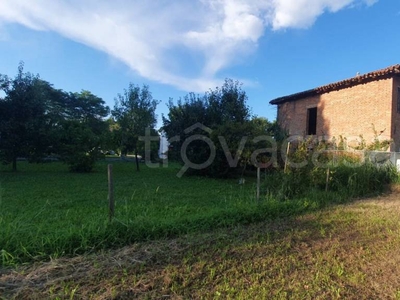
(38, 121)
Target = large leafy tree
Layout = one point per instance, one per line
(190, 110)
(88, 109)
(82, 130)
(229, 129)
(24, 121)
(134, 111)
(37, 120)
(227, 104)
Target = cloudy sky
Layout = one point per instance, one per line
(274, 47)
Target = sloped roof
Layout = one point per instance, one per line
(359, 79)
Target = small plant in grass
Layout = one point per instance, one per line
(6, 258)
(342, 143)
(379, 144)
(362, 143)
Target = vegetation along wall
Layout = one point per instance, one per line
(349, 112)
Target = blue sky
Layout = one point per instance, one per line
(275, 47)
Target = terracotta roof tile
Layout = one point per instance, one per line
(359, 79)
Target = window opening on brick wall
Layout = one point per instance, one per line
(398, 100)
(312, 121)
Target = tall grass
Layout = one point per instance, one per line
(347, 181)
(47, 212)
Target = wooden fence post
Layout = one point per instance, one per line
(327, 180)
(111, 203)
(286, 158)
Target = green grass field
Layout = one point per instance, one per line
(347, 251)
(48, 212)
(191, 237)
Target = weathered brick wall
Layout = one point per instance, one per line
(348, 112)
(292, 116)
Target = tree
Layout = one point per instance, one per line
(231, 130)
(188, 111)
(37, 120)
(88, 109)
(23, 117)
(110, 137)
(227, 104)
(134, 111)
(82, 130)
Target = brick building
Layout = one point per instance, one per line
(349, 108)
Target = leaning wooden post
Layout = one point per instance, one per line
(258, 183)
(110, 192)
(327, 180)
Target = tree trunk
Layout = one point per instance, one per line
(14, 164)
(137, 160)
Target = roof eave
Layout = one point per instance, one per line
(389, 72)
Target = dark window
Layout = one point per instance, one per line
(312, 121)
(398, 100)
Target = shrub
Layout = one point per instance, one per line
(342, 172)
(81, 163)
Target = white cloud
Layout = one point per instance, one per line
(303, 13)
(147, 35)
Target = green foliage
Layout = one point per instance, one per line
(36, 120)
(24, 117)
(134, 111)
(311, 167)
(227, 104)
(82, 163)
(80, 134)
(377, 144)
(186, 113)
(79, 146)
(361, 181)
